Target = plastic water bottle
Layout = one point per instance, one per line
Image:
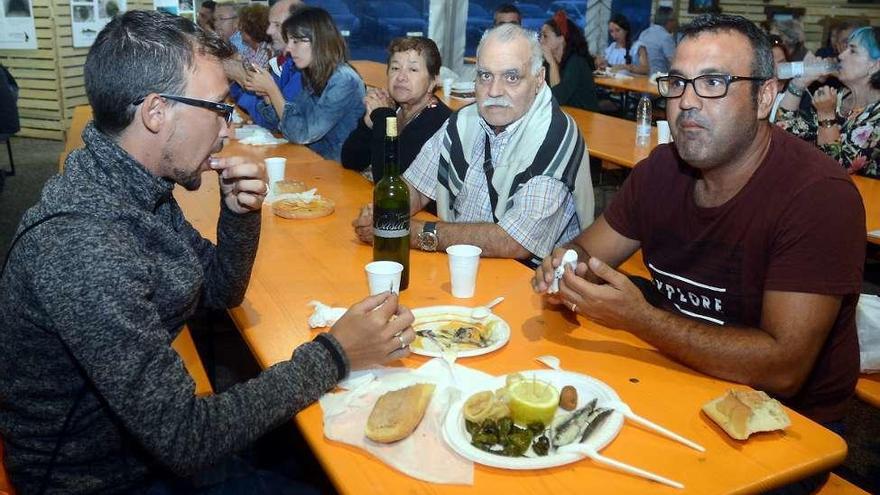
(790, 70)
(643, 121)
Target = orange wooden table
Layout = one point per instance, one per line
(299, 261)
(634, 84)
(611, 138)
(870, 191)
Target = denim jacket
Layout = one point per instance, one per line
(323, 122)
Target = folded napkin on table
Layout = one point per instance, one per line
(260, 136)
(424, 454)
(324, 316)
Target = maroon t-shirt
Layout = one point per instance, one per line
(798, 225)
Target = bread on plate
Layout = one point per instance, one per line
(397, 414)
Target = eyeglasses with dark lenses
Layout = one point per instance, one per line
(223, 109)
(706, 86)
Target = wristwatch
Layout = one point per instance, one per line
(427, 238)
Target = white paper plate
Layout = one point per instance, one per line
(500, 330)
(456, 435)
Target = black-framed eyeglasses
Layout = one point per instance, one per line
(223, 109)
(706, 86)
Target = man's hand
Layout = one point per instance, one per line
(615, 304)
(243, 184)
(259, 81)
(375, 331)
(363, 224)
(234, 70)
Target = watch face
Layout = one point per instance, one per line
(427, 241)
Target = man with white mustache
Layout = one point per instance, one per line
(510, 174)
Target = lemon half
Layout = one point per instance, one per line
(532, 400)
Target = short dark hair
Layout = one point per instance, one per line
(209, 4)
(663, 15)
(762, 61)
(138, 53)
(423, 46)
(328, 46)
(508, 8)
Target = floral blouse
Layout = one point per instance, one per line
(858, 149)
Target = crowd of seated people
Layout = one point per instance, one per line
(291, 73)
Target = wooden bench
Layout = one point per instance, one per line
(839, 486)
(81, 116)
(5, 486)
(868, 389)
(870, 190)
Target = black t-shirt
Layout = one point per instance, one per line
(798, 225)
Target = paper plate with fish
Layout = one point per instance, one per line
(440, 328)
(519, 421)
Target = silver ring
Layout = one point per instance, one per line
(267, 189)
(574, 308)
(400, 339)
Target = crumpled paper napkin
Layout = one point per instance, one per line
(424, 454)
(260, 137)
(324, 316)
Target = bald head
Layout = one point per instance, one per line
(277, 15)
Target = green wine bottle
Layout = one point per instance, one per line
(391, 209)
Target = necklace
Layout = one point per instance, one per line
(429, 103)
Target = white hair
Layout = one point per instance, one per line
(508, 32)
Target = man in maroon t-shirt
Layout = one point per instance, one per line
(754, 239)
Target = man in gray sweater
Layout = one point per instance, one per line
(105, 270)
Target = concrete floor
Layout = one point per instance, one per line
(36, 161)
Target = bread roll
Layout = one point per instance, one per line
(397, 414)
(743, 412)
(297, 208)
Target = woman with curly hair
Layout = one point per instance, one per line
(253, 21)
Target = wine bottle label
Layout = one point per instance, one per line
(391, 223)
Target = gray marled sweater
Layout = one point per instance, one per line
(89, 305)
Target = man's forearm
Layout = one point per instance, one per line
(492, 239)
(740, 354)
(228, 274)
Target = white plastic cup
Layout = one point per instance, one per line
(464, 260)
(275, 168)
(447, 87)
(383, 276)
(663, 133)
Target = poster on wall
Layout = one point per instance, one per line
(17, 30)
(182, 8)
(88, 17)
